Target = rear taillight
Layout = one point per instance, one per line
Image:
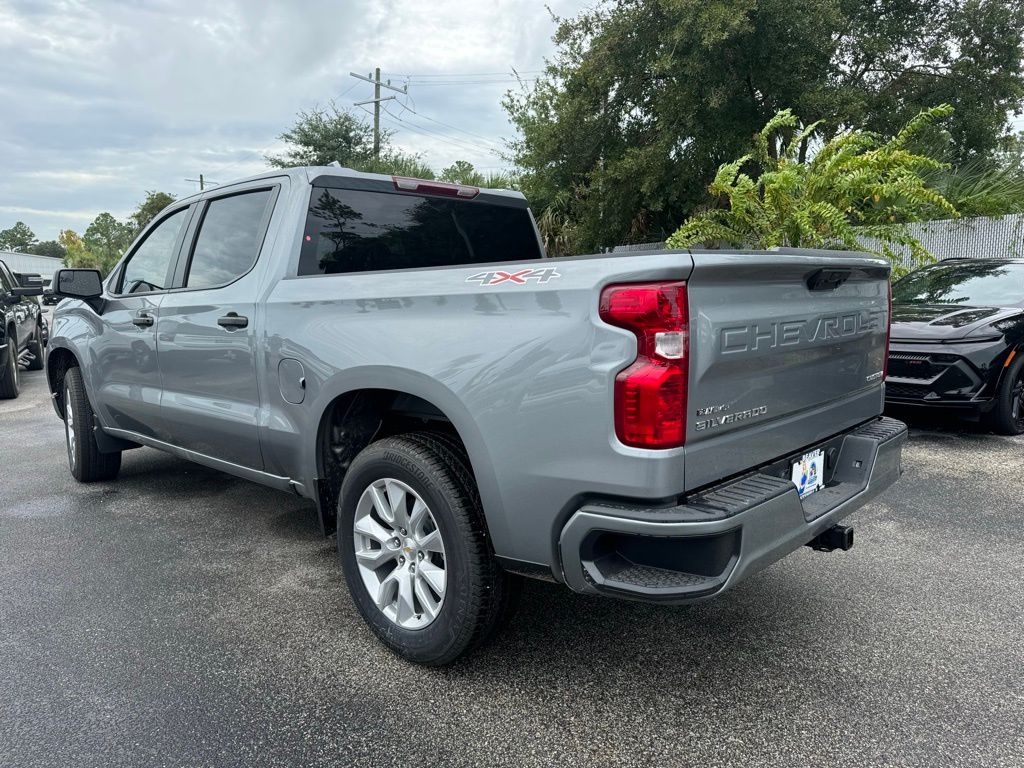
(888, 334)
(650, 395)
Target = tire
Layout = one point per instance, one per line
(1007, 418)
(9, 370)
(431, 627)
(87, 463)
(36, 348)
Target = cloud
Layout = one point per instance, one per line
(104, 100)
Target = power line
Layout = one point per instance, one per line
(452, 140)
(447, 125)
(455, 75)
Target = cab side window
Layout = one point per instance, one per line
(149, 268)
(229, 240)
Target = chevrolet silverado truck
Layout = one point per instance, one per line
(464, 410)
(22, 330)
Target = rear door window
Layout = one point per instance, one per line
(229, 240)
(358, 231)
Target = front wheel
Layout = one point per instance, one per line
(1007, 418)
(414, 550)
(36, 348)
(9, 370)
(87, 463)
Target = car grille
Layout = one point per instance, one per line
(912, 365)
(905, 390)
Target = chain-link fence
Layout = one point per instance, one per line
(979, 238)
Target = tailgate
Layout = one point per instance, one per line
(781, 343)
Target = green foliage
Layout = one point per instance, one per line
(149, 208)
(75, 252)
(106, 239)
(396, 163)
(645, 99)
(461, 172)
(855, 186)
(328, 135)
(48, 248)
(982, 188)
(17, 238)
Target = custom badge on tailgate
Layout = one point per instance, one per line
(720, 416)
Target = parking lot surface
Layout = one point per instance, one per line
(181, 617)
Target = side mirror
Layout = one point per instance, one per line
(29, 280)
(78, 283)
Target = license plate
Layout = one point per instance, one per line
(809, 473)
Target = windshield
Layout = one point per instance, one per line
(977, 284)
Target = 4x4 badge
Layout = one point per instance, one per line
(519, 277)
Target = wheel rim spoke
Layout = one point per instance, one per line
(428, 603)
(406, 608)
(380, 502)
(434, 576)
(370, 528)
(396, 499)
(387, 590)
(417, 516)
(432, 542)
(402, 568)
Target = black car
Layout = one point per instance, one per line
(957, 333)
(22, 329)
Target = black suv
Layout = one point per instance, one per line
(958, 341)
(22, 335)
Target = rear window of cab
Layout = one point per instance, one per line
(360, 231)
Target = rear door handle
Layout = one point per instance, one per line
(143, 320)
(232, 321)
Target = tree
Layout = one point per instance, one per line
(48, 248)
(855, 190)
(324, 136)
(75, 252)
(106, 239)
(462, 172)
(149, 208)
(645, 99)
(17, 238)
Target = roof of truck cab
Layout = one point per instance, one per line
(310, 173)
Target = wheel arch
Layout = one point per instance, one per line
(367, 406)
(58, 360)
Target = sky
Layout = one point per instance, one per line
(104, 100)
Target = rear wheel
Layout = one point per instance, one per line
(1007, 418)
(36, 348)
(414, 550)
(87, 463)
(9, 369)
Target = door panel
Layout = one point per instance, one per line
(206, 333)
(124, 368)
(209, 375)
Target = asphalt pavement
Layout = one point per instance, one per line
(180, 617)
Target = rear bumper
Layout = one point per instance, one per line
(725, 533)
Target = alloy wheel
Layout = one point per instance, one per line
(69, 426)
(1017, 399)
(400, 553)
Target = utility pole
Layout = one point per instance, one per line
(202, 182)
(376, 100)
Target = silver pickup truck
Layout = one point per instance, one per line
(464, 410)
